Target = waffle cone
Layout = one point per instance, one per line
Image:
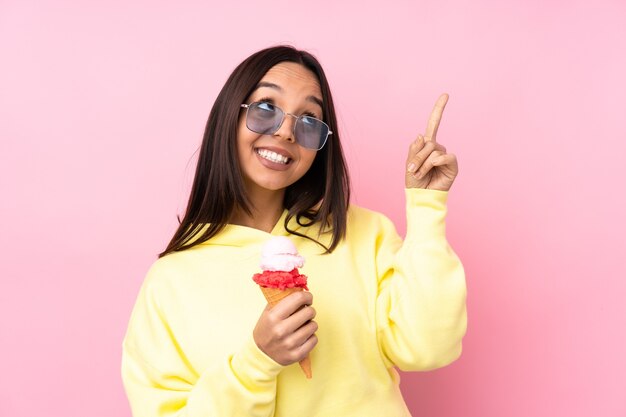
(273, 297)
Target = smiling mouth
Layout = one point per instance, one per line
(273, 156)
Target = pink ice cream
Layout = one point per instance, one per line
(280, 262)
(280, 254)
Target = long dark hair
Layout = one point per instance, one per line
(218, 186)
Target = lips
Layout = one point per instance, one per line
(274, 155)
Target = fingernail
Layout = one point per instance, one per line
(411, 167)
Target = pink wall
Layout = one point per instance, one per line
(102, 106)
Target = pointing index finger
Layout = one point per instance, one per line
(435, 118)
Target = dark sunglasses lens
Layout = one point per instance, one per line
(311, 133)
(263, 118)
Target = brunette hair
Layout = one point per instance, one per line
(218, 186)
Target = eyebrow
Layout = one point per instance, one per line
(312, 99)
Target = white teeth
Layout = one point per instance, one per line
(272, 156)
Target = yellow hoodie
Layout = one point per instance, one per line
(380, 304)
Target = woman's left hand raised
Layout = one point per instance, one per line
(428, 165)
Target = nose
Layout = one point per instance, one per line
(287, 128)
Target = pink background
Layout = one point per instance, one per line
(102, 107)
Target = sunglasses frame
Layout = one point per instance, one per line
(285, 114)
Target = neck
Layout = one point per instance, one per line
(266, 209)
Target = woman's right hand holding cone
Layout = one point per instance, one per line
(286, 332)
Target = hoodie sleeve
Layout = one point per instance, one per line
(160, 381)
(421, 314)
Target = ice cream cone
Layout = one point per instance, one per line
(280, 277)
(273, 297)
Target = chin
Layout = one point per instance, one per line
(272, 186)
(267, 184)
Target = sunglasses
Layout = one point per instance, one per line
(265, 118)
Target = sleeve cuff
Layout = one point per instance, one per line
(426, 212)
(256, 365)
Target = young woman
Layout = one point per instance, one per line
(202, 341)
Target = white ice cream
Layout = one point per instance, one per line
(280, 254)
